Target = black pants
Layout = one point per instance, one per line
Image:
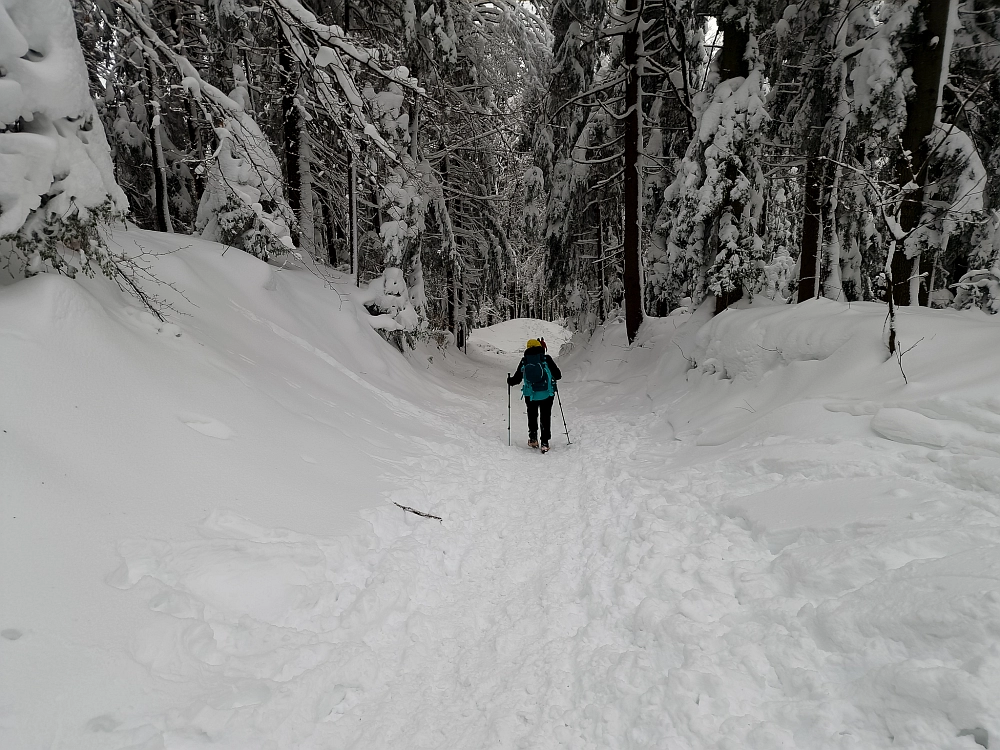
(546, 408)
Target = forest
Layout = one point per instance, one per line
(275, 273)
(471, 161)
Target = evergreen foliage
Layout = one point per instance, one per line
(483, 151)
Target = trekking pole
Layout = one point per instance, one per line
(565, 426)
(508, 409)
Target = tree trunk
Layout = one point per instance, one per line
(195, 142)
(631, 180)
(332, 231)
(290, 131)
(452, 297)
(352, 214)
(732, 57)
(812, 231)
(930, 20)
(412, 258)
(161, 197)
(307, 217)
(462, 329)
(602, 310)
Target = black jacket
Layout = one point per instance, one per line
(518, 375)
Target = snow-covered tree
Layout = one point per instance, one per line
(243, 204)
(57, 182)
(712, 211)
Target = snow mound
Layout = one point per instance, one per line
(761, 535)
(754, 341)
(267, 391)
(510, 336)
(870, 497)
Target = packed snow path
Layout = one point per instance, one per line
(606, 595)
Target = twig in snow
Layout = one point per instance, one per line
(689, 360)
(899, 358)
(130, 272)
(417, 512)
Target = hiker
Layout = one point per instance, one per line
(538, 374)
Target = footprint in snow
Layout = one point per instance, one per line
(207, 426)
(103, 723)
(11, 634)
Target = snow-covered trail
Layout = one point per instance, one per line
(606, 595)
(761, 537)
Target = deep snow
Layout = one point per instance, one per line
(760, 537)
(511, 336)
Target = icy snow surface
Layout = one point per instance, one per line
(759, 538)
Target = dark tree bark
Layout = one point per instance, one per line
(334, 234)
(812, 229)
(602, 312)
(930, 20)
(352, 216)
(732, 56)
(161, 198)
(632, 182)
(290, 131)
(195, 142)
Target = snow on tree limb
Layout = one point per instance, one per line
(57, 181)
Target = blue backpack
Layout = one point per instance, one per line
(538, 384)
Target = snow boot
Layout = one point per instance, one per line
(545, 447)
(532, 443)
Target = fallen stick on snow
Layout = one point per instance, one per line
(417, 512)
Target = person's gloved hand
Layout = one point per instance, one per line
(510, 380)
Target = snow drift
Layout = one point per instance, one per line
(267, 395)
(760, 537)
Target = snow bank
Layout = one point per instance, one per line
(760, 537)
(267, 393)
(510, 336)
(722, 376)
(873, 501)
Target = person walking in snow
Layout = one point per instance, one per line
(537, 373)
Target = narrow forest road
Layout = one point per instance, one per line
(603, 596)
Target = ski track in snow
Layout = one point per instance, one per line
(612, 594)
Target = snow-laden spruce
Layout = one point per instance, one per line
(244, 203)
(57, 182)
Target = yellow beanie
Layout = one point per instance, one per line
(533, 342)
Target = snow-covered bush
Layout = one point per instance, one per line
(405, 195)
(388, 299)
(57, 182)
(404, 209)
(954, 195)
(980, 288)
(244, 204)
